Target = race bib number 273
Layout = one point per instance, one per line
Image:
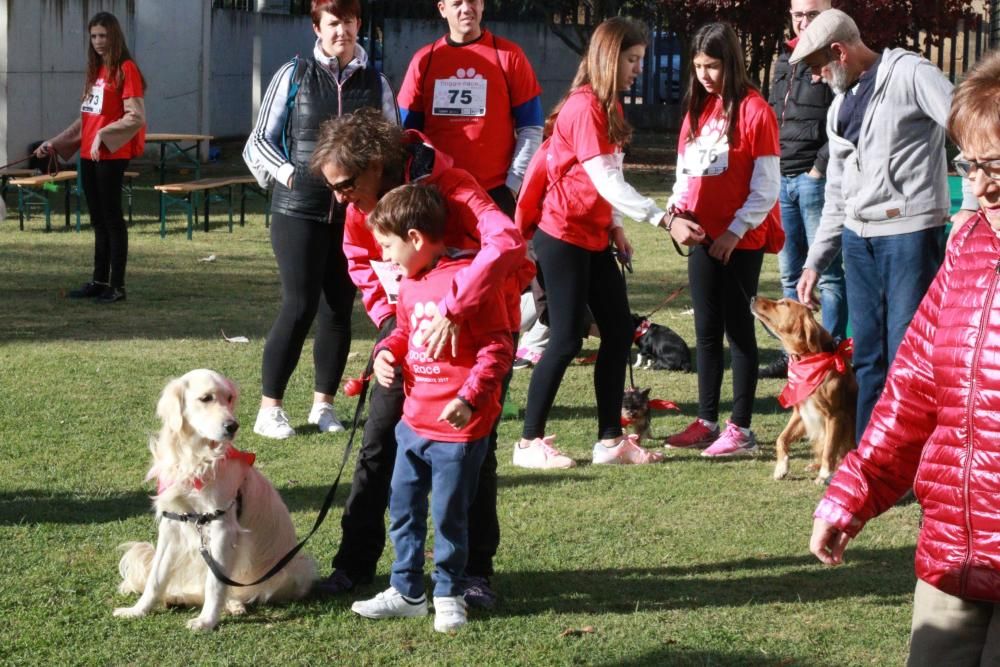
(93, 102)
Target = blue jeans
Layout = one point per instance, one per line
(451, 471)
(887, 277)
(801, 199)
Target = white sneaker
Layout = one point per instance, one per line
(391, 604)
(449, 613)
(541, 454)
(325, 418)
(273, 423)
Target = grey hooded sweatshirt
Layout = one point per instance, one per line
(895, 180)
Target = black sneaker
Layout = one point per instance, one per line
(111, 295)
(777, 369)
(338, 583)
(479, 593)
(88, 291)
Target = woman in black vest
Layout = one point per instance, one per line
(307, 226)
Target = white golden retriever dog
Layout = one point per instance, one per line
(199, 472)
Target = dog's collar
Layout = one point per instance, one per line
(164, 483)
(806, 372)
(641, 330)
(202, 519)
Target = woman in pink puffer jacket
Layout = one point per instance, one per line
(936, 427)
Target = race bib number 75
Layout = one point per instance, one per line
(459, 97)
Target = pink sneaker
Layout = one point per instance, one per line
(695, 435)
(626, 452)
(541, 454)
(732, 442)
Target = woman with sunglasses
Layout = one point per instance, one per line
(307, 225)
(728, 180)
(935, 427)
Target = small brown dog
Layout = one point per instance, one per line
(821, 390)
(635, 413)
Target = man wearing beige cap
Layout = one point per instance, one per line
(887, 196)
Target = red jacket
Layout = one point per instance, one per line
(937, 426)
(474, 223)
(485, 353)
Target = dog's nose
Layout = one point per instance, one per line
(231, 426)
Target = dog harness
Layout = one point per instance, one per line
(201, 519)
(806, 372)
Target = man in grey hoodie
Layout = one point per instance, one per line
(887, 197)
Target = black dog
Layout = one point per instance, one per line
(660, 347)
(635, 413)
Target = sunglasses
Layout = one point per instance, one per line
(346, 185)
(966, 167)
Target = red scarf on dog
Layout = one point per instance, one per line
(807, 372)
(231, 453)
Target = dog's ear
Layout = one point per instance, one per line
(645, 392)
(235, 391)
(812, 333)
(170, 407)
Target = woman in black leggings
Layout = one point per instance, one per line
(111, 131)
(580, 217)
(728, 179)
(307, 226)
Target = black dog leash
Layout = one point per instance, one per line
(201, 520)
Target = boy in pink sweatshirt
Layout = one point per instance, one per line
(451, 405)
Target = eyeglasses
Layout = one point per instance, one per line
(798, 16)
(340, 187)
(966, 167)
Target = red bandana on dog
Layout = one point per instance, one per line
(231, 453)
(641, 330)
(808, 371)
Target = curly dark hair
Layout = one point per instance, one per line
(356, 141)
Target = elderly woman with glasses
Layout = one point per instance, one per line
(307, 225)
(936, 427)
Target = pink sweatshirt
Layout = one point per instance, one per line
(485, 353)
(474, 223)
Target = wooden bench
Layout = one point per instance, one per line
(29, 179)
(184, 195)
(7, 174)
(26, 193)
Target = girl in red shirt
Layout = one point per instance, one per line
(580, 216)
(728, 180)
(111, 131)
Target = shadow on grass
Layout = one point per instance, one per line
(885, 575)
(681, 657)
(35, 506)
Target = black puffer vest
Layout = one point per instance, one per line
(319, 97)
(800, 105)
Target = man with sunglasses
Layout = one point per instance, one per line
(800, 100)
(887, 197)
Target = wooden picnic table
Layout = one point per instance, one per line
(25, 192)
(173, 140)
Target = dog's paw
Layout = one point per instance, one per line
(129, 612)
(200, 624)
(781, 469)
(235, 608)
(823, 478)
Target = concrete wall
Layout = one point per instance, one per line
(198, 63)
(233, 36)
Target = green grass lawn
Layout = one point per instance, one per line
(692, 562)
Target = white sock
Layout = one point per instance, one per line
(710, 425)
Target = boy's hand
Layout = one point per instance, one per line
(384, 368)
(456, 413)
